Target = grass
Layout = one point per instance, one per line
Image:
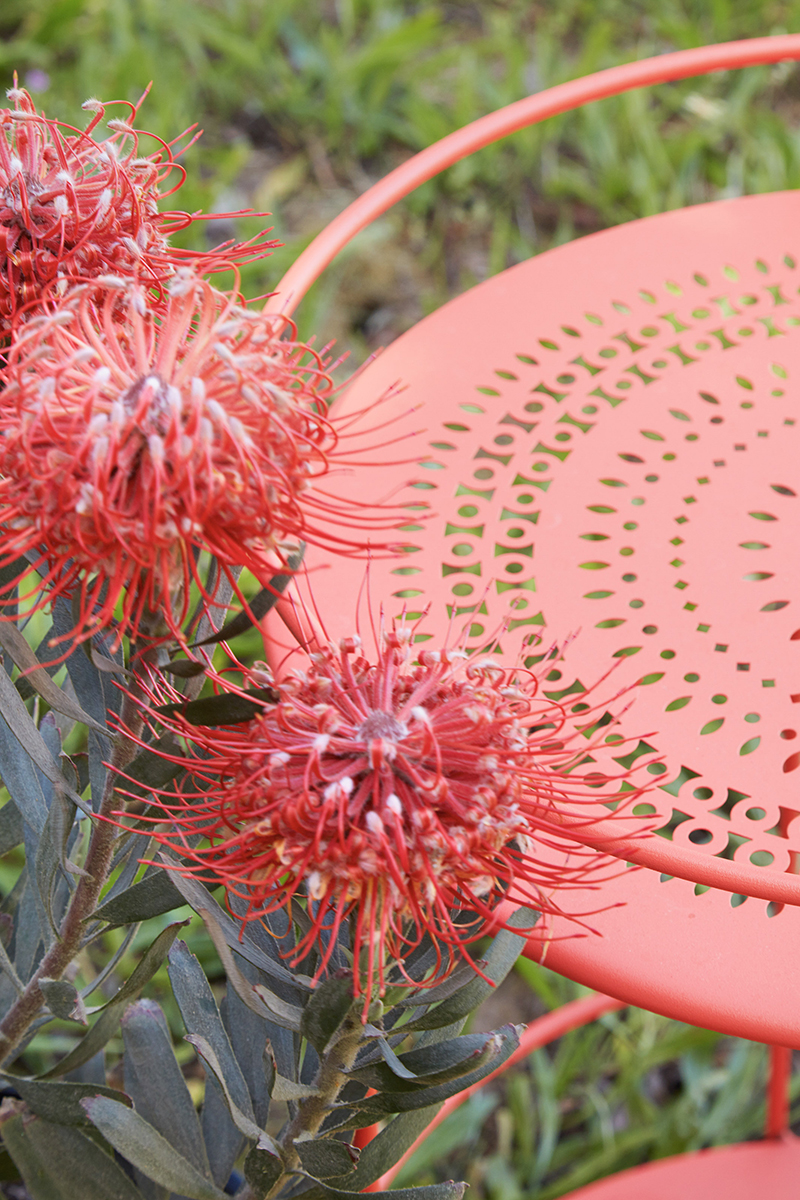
(630, 1088)
(307, 102)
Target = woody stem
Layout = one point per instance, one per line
(67, 943)
(312, 1110)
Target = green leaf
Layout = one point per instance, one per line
(259, 606)
(397, 1136)
(287, 1089)
(19, 721)
(6, 966)
(155, 1082)
(249, 1035)
(21, 654)
(245, 1124)
(62, 998)
(262, 1171)
(10, 827)
(429, 1065)
(27, 926)
(106, 1024)
(201, 1018)
(228, 708)
(152, 896)
(462, 975)
(501, 1045)
(325, 1012)
(52, 849)
(96, 693)
(186, 668)
(500, 958)
(59, 1101)
(152, 768)
(42, 1151)
(326, 1159)
(389, 1146)
(137, 1141)
(257, 998)
(395, 1066)
(434, 1191)
(236, 934)
(20, 777)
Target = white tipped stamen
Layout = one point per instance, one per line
(374, 823)
(104, 201)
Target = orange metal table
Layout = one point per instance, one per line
(607, 440)
(603, 421)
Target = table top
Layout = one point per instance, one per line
(606, 439)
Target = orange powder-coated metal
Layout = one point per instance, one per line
(607, 442)
(612, 448)
(780, 1064)
(723, 1173)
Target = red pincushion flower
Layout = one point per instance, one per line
(128, 442)
(392, 793)
(75, 208)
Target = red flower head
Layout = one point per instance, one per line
(74, 208)
(129, 441)
(391, 793)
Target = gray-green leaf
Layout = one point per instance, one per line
(41, 1151)
(137, 1141)
(326, 1159)
(434, 1191)
(155, 1082)
(58, 1101)
(106, 1024)
(327, 1009)
(500, 958)
(152, 896)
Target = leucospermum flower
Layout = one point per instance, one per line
(73, 208)
(391, 793)
(129, 441)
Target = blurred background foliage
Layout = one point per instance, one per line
(304, 104)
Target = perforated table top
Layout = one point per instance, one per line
(613, 432)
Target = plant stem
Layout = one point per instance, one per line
(99, 855)
(331, 1078)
